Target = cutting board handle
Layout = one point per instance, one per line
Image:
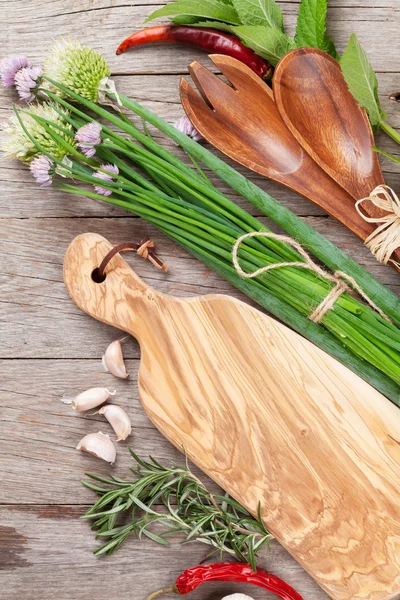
(99, 300)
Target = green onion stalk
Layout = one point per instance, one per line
(152, 183)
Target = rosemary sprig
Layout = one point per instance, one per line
(171, 500)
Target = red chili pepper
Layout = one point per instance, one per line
(206, 39)
(191, 579)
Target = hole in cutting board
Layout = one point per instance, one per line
(97, 278)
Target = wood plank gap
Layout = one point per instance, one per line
(85, 11)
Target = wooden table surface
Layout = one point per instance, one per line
(49, 348)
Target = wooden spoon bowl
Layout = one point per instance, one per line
(316, 105)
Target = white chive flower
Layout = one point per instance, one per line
(16, 144)
(78, 67)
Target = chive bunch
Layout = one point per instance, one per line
(181, 201)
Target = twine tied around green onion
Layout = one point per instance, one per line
(340, 279)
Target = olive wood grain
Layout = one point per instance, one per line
(315, 103)
(271, 418)
(243, 122)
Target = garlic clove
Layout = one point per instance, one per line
(113, 360)
(89, 399)
(237, 597)
(99, 445)
(118, 420)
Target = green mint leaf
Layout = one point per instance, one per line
(311, 26)
(209, 9)
(267, 42)
(361, 80)
(259, 12)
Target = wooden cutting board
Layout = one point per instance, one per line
(269, 416)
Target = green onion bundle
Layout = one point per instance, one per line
(140, 175)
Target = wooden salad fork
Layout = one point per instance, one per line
(316, 105)
(243, 122)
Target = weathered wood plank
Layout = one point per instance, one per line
(103, 27)
(55, 7)
(40, 433)
(151, 95)
(159, 91)
(38, 318)
(16, 184)
(45, 552)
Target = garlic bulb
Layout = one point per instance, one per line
(237, 597)
(99, 445)
(118, 420)
(89, 399)
(113, 360)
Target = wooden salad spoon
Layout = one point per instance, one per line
(315, 103)
(243, 122)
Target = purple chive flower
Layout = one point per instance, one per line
(184, 125)
(42, 168)
(10, 66)
(105, 177)
(26, 80)
(88, 137)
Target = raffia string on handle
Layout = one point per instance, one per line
(339, 278)
(385, 239)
